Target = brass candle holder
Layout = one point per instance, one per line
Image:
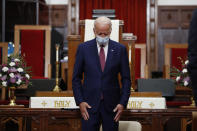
(130, 64)
(57, 88)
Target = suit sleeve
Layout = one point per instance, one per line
(192, 42)
(125, 77)
(78, 75)
(192, 53)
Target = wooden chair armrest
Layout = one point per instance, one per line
(49, 71)
(166, 71)
(146, 70)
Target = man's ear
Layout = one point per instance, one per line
(110, 30)
(94, 31)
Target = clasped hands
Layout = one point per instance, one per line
(84, 105)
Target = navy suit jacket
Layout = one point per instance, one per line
(192, 53)
(95, 82)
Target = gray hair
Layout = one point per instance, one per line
(103, 20)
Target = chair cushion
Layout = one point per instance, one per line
(128, 126)
(32, 47)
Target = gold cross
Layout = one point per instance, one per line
(152, 104)
(44, 103)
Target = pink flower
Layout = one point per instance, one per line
(12, 80)
(13, 69)
(4, 78)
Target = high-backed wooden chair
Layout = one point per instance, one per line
(3, 59)
(34, 43)
(141, 67)
(75, 40)
(171, 53)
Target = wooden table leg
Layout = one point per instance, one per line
(157, 123)
(44, 122)
(3, 91)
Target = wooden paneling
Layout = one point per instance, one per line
(55, 15)
(69, 120)
(172, 28)
(168, 18)
(59, 15)
(73, 42)
(44, 15)
(186, 15)
(173, 17)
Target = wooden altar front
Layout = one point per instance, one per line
(62, 119)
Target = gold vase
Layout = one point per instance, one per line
(12, 96)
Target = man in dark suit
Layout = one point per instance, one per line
(100, 98)
(192, 54)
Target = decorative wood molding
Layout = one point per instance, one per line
(58, 119)
(59, 15)
(73, 17)
(174, 17)
(151, 39)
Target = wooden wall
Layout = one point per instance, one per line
(173, 24)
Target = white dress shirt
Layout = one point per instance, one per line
(105, 50)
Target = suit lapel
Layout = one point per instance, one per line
(109, 55)
(96, 56)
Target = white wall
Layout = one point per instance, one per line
(56, 2)
(177, 2)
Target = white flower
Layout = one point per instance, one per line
(4, 83)
(178, 78)
(5, 69)
(18, 82)
(185, 83)
(12, 64)
(0, 75)
(20, 69)
(11, 75)
(186, 62)
(26, 75)
(184, 70)
(16, 60)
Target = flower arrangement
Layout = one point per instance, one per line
(14, 73)
(181, 76)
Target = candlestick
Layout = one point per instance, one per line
(57, 52)
(57, 88)
(129, 53)
(130, 63)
